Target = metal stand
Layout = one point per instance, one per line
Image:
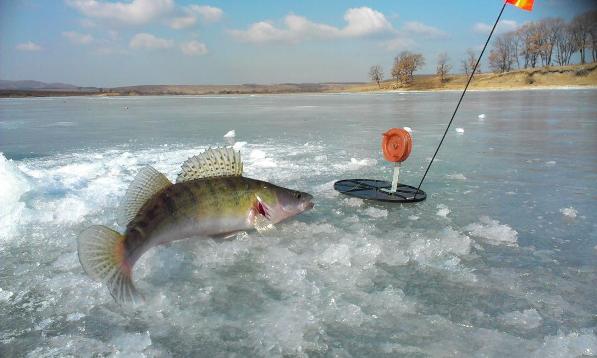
(394, 179)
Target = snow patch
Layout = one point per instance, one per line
(569, 212)
(13, 184)
(492, 232)
(239, 145)
(230, 134)
(442, 211)
(457, 176)
(5, 295)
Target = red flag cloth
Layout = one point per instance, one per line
(523, 4)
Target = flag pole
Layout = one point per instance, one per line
(461, 97)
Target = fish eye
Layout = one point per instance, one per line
(298, 195)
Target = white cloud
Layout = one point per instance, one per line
(78, 38)
(360, 22)
(207, 14)
(183, 22)
(365, 21)
(420, 28)
(400, 43)
(134, 13)
(503, 26)
(149, 41)
(29, 46)
(193, 48)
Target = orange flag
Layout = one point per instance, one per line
(523, 4)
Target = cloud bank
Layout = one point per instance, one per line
(360, 22)
(29, 46)
(149, 41)
(137, 12)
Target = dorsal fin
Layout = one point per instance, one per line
(218, 162)
(145, 185)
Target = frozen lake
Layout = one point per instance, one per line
(500, 260)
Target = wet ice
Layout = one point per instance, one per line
(469, 274)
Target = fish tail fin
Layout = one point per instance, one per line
(103, 256)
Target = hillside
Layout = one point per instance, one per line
(34, 85)
(545, 77)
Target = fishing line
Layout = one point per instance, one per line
(462, 96)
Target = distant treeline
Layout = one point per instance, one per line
(546, 42)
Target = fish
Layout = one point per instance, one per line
(210, 199)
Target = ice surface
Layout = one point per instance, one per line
(492, 275)
(336, 254)
(575, 344)
(375, 212)
(457, 176)
(527, 319)
(356, 164)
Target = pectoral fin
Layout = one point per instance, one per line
(225, 236)
(263, 224)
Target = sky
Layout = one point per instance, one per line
(116, 43)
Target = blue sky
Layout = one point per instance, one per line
(113, 43)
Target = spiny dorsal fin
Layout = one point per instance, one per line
(145, 185)
(218, 162)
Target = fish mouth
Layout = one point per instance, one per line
(309, 205)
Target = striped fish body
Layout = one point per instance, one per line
(210, 207)
(210, 198)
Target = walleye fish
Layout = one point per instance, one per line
(210, 198)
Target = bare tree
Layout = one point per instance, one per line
(586, 23)
(531, 44)
(443, 68)
(564, 46)
(501, 56)
(376, 74)
(516, 47)
(405, 64)
(465, 68)
(580, 34)
(550, 31)
(592, 15)
(471, 59)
